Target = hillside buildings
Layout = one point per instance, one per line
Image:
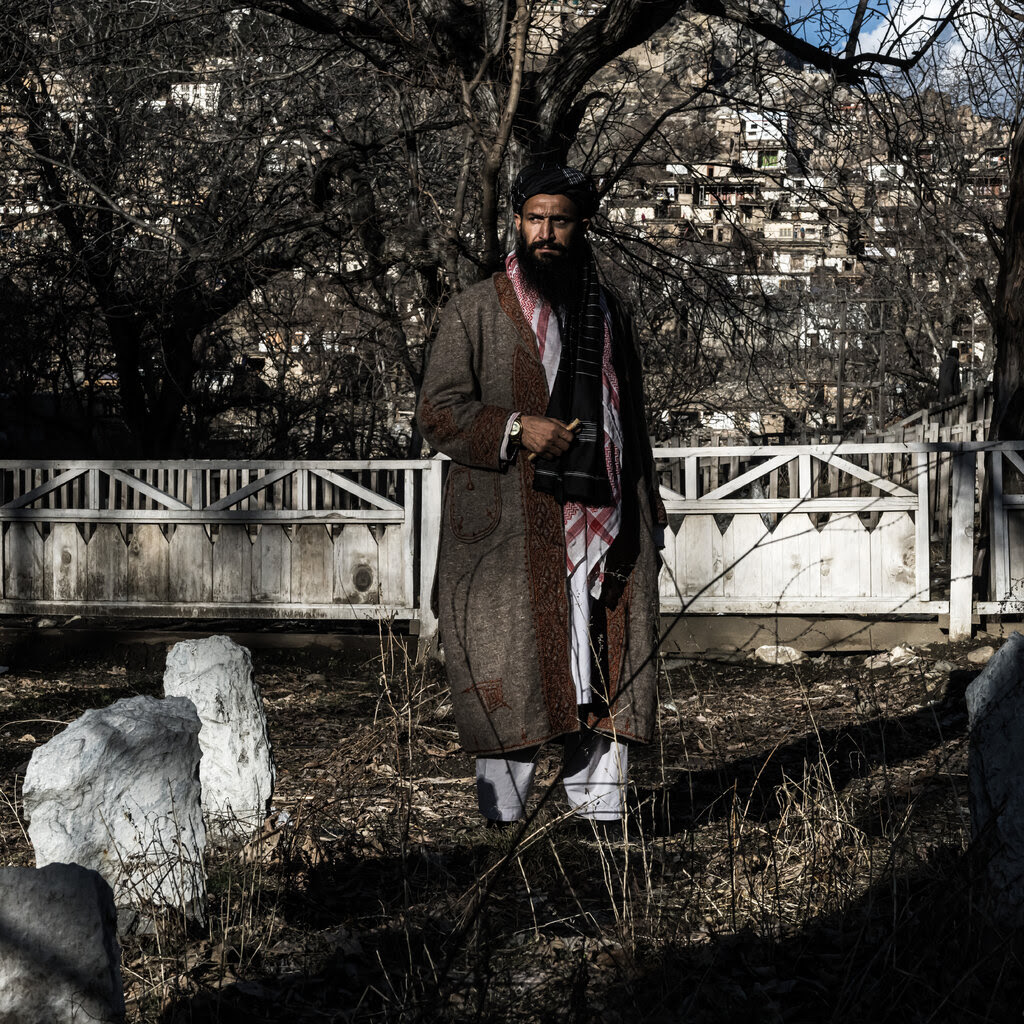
(828, 259)
(268, 253)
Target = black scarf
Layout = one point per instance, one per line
(581, 474)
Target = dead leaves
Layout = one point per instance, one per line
(433, 750)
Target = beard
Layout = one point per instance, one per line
(558, 279)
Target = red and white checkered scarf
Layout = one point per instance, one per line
(589, 532)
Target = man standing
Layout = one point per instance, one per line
(547, 582)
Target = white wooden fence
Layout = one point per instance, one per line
(236, 540)
(846, 529)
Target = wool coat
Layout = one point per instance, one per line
(500, 588)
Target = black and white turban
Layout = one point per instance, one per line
(550, 179)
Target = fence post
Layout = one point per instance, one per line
(430, 536)
(961, 557)
(690, 476)
(919, 461)
(999, 558)
(805, 485)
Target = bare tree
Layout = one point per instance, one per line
(157, 186)
(954, 138)
(183, 162)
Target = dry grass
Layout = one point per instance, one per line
(798, 852)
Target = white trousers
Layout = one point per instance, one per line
(581, 653)
(595, 776)
(595, 769)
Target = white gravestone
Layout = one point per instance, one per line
(118, 792)
(996, 774)
(59, 958)
(237, 770)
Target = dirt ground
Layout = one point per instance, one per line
(797, 851)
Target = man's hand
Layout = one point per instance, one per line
(545, 437)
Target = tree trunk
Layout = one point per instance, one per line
(1008, 374)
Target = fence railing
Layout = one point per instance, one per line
(972, 406)
(287, 540)
(888, 529)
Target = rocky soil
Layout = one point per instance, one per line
(797, 852)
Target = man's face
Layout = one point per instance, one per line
(549, 227)
(551, 248)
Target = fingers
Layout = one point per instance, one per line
(560, 439)
(545, 437)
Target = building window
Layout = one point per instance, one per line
(202, 97)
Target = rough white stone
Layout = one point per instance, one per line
(902, 655)
(898, 657)
(996, 774)
(981, 655)
(59, 958)
(118, 791)
(237, 770)
(778, 654)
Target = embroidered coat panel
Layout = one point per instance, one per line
(501, 583)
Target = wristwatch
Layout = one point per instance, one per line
(515, 433)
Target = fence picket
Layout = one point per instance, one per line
(272, 565)
(312, 565)
(23, 562)
(356, 567)
(107, 565)
(148, 564)
(190, 565)
(232, 564)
